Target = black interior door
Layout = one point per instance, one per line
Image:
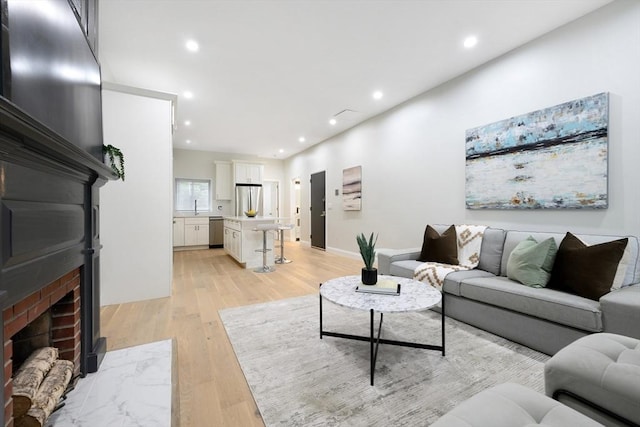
(318, 210)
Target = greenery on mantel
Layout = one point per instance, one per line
(367, 249)
(115, 153)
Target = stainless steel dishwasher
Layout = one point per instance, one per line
(216, 231)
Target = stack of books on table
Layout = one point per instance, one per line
(383, 287)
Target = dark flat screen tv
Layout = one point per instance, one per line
(54, 76)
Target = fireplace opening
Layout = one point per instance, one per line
(47, 319)
(35, 335)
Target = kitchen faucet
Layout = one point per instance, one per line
(195, 206)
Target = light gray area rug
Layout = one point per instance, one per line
(297, 379)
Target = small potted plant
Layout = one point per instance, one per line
(368, 253)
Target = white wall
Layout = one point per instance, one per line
(413, 156)
(136, 215)
(197, 164)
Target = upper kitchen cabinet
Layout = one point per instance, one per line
(224, 184)
(248, 173)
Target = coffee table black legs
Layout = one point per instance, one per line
(374, 353)
(375, 340)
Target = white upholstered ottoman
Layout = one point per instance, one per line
(598, 375)
(512, 405)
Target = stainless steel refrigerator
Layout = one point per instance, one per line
(248, 197)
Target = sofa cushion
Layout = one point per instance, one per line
(453, 280)
(491, 250)
(585, 270)
(404, 268)
(451, 284)
(623, 266)
(621, 311)
(549, 304)
(441, 248)
(530, 263)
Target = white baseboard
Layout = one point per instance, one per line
(348, 254)
(335, 251)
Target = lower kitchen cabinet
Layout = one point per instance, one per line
(196, 231)
(233, 243)
(190, 232)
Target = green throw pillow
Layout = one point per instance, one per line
(530, 262)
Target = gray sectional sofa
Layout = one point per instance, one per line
(540, 318)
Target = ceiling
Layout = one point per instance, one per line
(270, 72)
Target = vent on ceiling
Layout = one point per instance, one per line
(346, 114)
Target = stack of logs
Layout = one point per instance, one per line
(38, 385)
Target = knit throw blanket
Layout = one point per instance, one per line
(469, 243)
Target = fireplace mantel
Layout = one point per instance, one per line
(22, 137)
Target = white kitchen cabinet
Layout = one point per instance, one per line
(178, 232)
(224, 187)
(248, 173)
(196, 231)
(233, 243)
(228, 243)
(233, 239)
(241, 241)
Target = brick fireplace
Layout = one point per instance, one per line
(60, 302)
(49, 242)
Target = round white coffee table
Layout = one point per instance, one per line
(414, 296)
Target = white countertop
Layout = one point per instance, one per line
(204, 214)
(255, 218)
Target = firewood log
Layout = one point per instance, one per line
(29, 377)
(48, 395)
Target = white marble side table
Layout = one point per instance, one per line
(414, 296)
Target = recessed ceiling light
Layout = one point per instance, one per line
(333, 122)
(302, 139)
(470, 42)
(188, 141)
(187, 122)
(377, 94)
(192, 45)
(281, 150)
(188, 94)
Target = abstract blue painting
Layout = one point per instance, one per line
(555, 158)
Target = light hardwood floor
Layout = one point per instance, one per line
(212, 388)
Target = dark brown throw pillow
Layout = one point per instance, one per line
(587, 271)
(440, 248)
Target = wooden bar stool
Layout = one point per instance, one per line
(281, 259)
(265, 228)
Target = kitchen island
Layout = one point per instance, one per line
(241, 241)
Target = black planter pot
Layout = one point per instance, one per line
(369, 277)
